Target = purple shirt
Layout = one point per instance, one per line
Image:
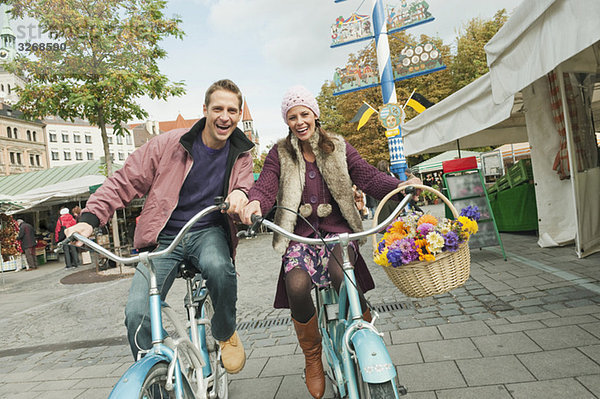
(366, 177)
(203, 183)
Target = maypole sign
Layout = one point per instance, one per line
(412, 61)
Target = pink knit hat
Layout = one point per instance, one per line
(298, 95)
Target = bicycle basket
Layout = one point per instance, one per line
(421, 279)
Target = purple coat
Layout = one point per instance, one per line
(366, 177)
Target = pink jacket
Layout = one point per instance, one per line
(158, 170)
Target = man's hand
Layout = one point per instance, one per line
(237, 201)
(82, 228)
(253, 208)
(412, 180)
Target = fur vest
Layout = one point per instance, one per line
(334, 169)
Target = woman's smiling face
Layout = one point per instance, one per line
(302, 122)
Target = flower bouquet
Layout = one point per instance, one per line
(424, 255)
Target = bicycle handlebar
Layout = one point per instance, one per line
(258, 220)
(221, 205)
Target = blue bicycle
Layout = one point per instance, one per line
(186, 363)
(359, 365)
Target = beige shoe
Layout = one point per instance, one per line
(232, 354)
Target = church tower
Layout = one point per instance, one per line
(7, 39)
(248, 128)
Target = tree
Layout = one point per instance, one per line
(470, 61)
(107, 58)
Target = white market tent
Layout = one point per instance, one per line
(512, 103)
(435, 163)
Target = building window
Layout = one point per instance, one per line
(29, 135)
(76, 138)
(37, 159)
(128, 139)
(88, 139)
(52, 137)
(90, 156)
(65, 138)
(8, 85)
(112, 157)
(9, 132)
(78, 156)
(109, 139)
(15, 136)
(121, 156)
(67, 155)
(54, 155)
(12, 158)
(19, 161)
(119, 139)
(31, 159)
(34, 136)
(2, 87)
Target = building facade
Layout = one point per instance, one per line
(249, 131)
(72, 142)
(22, 143)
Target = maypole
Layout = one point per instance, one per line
(388, 88)
(411, 62)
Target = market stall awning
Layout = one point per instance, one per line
(539, 36)
(435, 163)
(468, 115)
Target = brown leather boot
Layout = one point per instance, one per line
(367, 316)
(310, 342)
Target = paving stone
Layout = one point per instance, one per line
(560, 363)
(466, 329)
(279, 350)
(283, 365)
(578, 311)
(592, 351)
(506, 369)
(418, 377)
(252, 369)
(261, 388)
(562, 337)
(436, 321)
(405, 354)
(592, 328)
(458, 319)
(592, 383)
(448, 349)
(563, 388)
(415, 335)
(564, 321)
(537, 316)
(505, 344)
(488, 392)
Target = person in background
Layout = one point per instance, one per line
(66, 220)
(27, 238)
(312, 172)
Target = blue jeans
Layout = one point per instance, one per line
(208, 251)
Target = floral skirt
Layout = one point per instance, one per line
(313, 259)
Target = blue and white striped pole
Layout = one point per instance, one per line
(388, 90)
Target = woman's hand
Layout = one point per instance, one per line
(410, 182)
(252, 208)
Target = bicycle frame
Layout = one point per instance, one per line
(165, 349)
(350, 343)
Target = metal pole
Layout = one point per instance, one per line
(388, 89)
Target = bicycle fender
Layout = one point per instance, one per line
(373, 358)
(130, 384)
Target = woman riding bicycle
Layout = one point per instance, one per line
(312, 172)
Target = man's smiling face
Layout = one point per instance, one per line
(223, 112)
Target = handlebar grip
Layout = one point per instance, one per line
(251, 232)
(256, 218)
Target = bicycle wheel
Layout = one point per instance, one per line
(219, 389)
(155, 381)
(385, 390)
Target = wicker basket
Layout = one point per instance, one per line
(421, 279)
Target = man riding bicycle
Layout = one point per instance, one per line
(181, 172)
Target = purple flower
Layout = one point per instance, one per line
(450, 241)
(394, 256)
(472, 212)
(425, 229)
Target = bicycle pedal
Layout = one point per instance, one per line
(402, 390)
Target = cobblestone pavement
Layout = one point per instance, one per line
(527, 327)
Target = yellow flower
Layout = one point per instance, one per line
(468, 225)
(381, 259)
(427, 218)
(428, 258)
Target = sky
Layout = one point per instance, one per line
(267, 46)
